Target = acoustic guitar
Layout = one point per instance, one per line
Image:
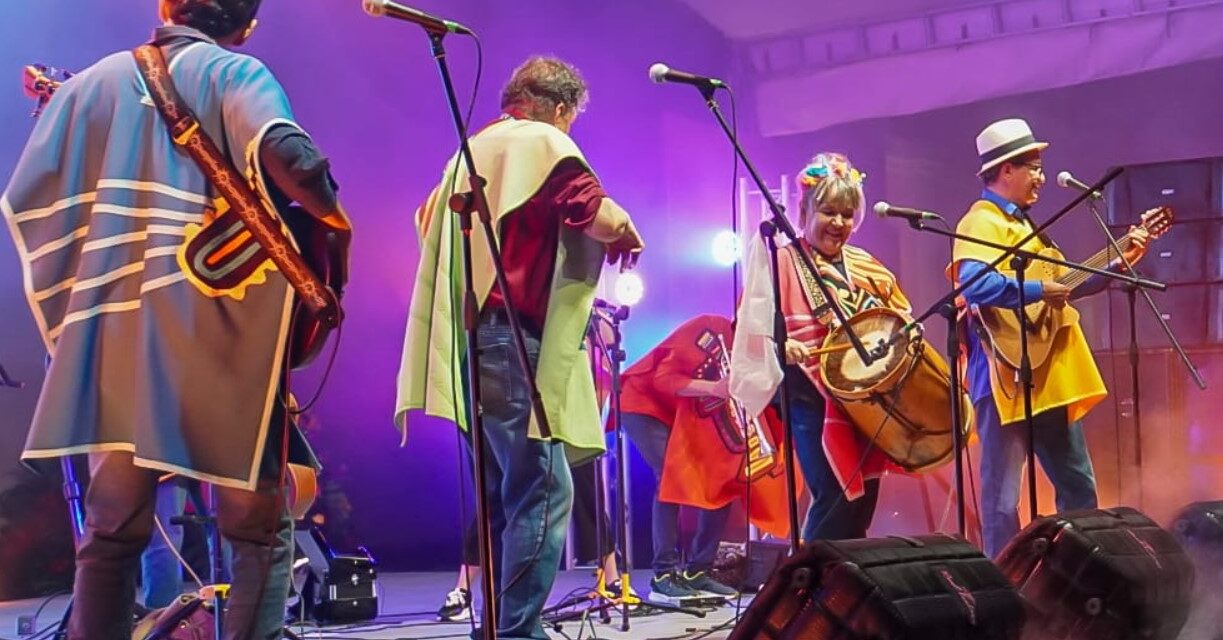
(1001, 325)
(221, 258)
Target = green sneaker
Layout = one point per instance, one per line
(669, 588)
(704, 585)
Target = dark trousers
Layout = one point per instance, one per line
(118, 524)
(832, 516)
(650, 437)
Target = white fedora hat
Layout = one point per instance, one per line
(1003, 140)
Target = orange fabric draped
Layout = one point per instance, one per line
(705, 460)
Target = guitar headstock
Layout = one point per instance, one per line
(1157, 221)
(40, 82)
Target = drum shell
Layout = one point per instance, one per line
(907, 412)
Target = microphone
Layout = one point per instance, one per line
(432, 24)
(885, 210)
(661, 73)
(1066, 179)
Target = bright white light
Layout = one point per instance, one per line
(629, 289)
(725, 248)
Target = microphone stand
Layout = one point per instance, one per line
(464, 205)
(1020, 258)
(1131, 292)
(768, 229)
(614, 352)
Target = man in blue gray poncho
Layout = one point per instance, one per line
(152, 372)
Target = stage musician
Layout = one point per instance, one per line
(1067, 384)
(555, 226)
(676, 411)
(841, 469)
(150, 371)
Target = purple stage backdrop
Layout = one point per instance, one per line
(368, 92)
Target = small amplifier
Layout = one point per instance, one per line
(339, 587)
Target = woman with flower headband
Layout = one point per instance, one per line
(840, 468)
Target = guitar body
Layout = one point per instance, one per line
(1002, 331)
(1001, 325)
(301, 489)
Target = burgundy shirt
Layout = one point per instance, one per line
(571, 195)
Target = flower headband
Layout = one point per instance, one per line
(823, 167)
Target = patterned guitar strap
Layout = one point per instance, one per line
(186, 131)
(820, 308)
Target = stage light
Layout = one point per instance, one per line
(725, 247)
(629, 289)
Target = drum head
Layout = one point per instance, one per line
(844, 370)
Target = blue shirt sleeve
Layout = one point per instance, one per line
(994, 289)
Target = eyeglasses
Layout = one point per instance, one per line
(1035, 168)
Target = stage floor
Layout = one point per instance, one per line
(408, 604)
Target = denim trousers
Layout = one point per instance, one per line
(1061, 449)
(831, 516)
(119, 508)
(527, 484)
(650, 437)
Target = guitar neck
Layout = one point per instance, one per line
(1099, 260)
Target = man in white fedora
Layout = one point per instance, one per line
(1067, 384)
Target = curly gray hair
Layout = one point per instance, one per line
(540, 84)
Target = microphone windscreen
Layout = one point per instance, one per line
(376, 8)
(658, 72)
(881, 209)
(1064, 178)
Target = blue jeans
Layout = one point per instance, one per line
(650, 437)
(1062, 451)
(528, 485)
(832, 516)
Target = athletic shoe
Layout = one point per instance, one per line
(457, 607)
(704, 585)
(669, 588)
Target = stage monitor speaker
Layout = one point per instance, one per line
(339, 587)
(1199, 529)
(931, 587)
(1100, 574)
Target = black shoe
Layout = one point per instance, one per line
(704, 585)
(457, 606)
(669, 588)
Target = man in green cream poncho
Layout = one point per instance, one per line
(554, 225)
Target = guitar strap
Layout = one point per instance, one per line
(186, 131)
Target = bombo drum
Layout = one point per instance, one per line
(901, 401)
